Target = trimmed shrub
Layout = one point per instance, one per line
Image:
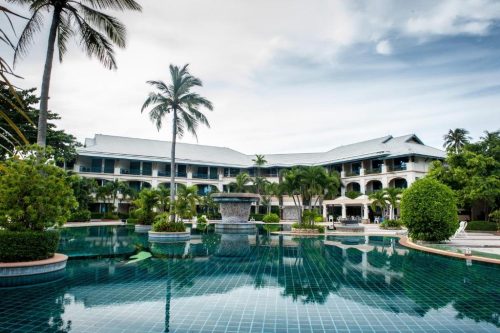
(271, 218)
(80, 216)
(320, 228)
(110, 216)
(202, 219)
(257, 217)
(162, 224)
(429, 211)
(391, 224)
(27, 245)
(481, 226)
(34, 193)
(132, 220)
(123, 216)
(318, 219)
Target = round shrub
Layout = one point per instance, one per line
(271, 218)
(162, 224)
(80, 216)
(34, 193)
(429, 211)
(27, 245)
(391, 224)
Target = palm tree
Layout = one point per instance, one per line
(378, 200)
(270, 190)
(178, 100)
(187, 199)
(97, 32)
(392, 195)
(456, 139)
(291, 185)
(146, 202)
(164, 198)
(241, 183)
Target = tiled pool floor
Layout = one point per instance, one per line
(271, 284)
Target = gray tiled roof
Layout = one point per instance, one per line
(155, 150)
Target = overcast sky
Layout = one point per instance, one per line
(292, 76)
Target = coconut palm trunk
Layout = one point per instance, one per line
(172, 167)
(47, 71)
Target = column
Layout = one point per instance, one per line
(344, 211)
(384, 167)
(118, 164)
(154, 172)
(325, 213)
(365, 213)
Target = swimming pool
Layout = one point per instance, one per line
(254, 283)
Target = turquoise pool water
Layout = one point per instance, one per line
(254, 283)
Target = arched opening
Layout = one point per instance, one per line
(373, 186)
(398, 183)
(353, 190)
(206, 189)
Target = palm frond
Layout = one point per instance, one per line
(113, 28)
(33, 26)
(64, 32)
(114, 4)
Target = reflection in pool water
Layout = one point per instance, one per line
(277, 284)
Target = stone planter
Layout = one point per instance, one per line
(30, 272)
(168, 236)
(142, 228)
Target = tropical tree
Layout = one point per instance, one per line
(456, 139)
(259, 161)
(270, 190)
(164, 198)
(104, 193)
(392, 196)
(184, 105)
(378, 200)
(187, 199)
(241, 183)
(127, 192)
(146, 202)
(291, 185)
(97, 32)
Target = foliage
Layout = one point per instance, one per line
(34, 193)
(202, 219)
(96, 215)
(110, 216)
(352, 194)
(378, 200)
(482, 226)
(495, 217)
(392, 196)
(318, 218)
(429, 211)
(187, 199)
(257, 217)
(456, 139)
(241, 183)
(184, 105)
(319, 228)
(473, 173)
(391, 224)
(80, 216)
(271, 218)
(27, 245)
(145, 203)
(133, 220)
(83, 188)
(64, 145)
(311, 216)
(162, 224)
(308, 186)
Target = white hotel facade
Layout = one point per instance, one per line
(364, 166)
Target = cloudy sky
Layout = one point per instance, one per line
(293, 76)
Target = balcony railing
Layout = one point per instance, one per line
(109, 170)
(90, 169)
(373, 170)
(130, 171)
(352, 173)
(200, 175)
(401, 167)
(214, 176)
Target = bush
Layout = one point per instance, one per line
(123, 216)
(110, 216)
(391, 224)
(96, 215)
(319, 228)
(271, 218)
(318, 219)
(80, 216)
(202, 219)
(34, 193)
(132, 220)
(27, 245)
(162, 224)
(481, 226)
(429, 211)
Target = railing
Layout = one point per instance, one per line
(397, 167)
(109, 170)
(92, 169)
(373, 170)
(352, 173)
(130, 171)
(216, 176)
(200, 175)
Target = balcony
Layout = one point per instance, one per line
(200, 175)
(92, 169)
(373, 171)
(130, 171)
(401, 167)
(352, 173)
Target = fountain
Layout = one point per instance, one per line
(235, 211)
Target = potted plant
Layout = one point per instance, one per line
(165, 230)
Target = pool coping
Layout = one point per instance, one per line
(35, 267)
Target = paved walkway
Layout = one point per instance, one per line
(477, 242)
(92, 224)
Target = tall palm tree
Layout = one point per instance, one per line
(241, 183)
(187, 199)
(456, 139)
(177, 99)
(259, 182)
(97, 32)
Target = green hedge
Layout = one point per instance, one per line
(257, 217)
(320, 228)
(27, 245)
(481, 226)
(271, 218)
(391, 224)
(80, 216)
(162, 224)
(96, 215)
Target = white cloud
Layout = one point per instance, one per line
(384, 47)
